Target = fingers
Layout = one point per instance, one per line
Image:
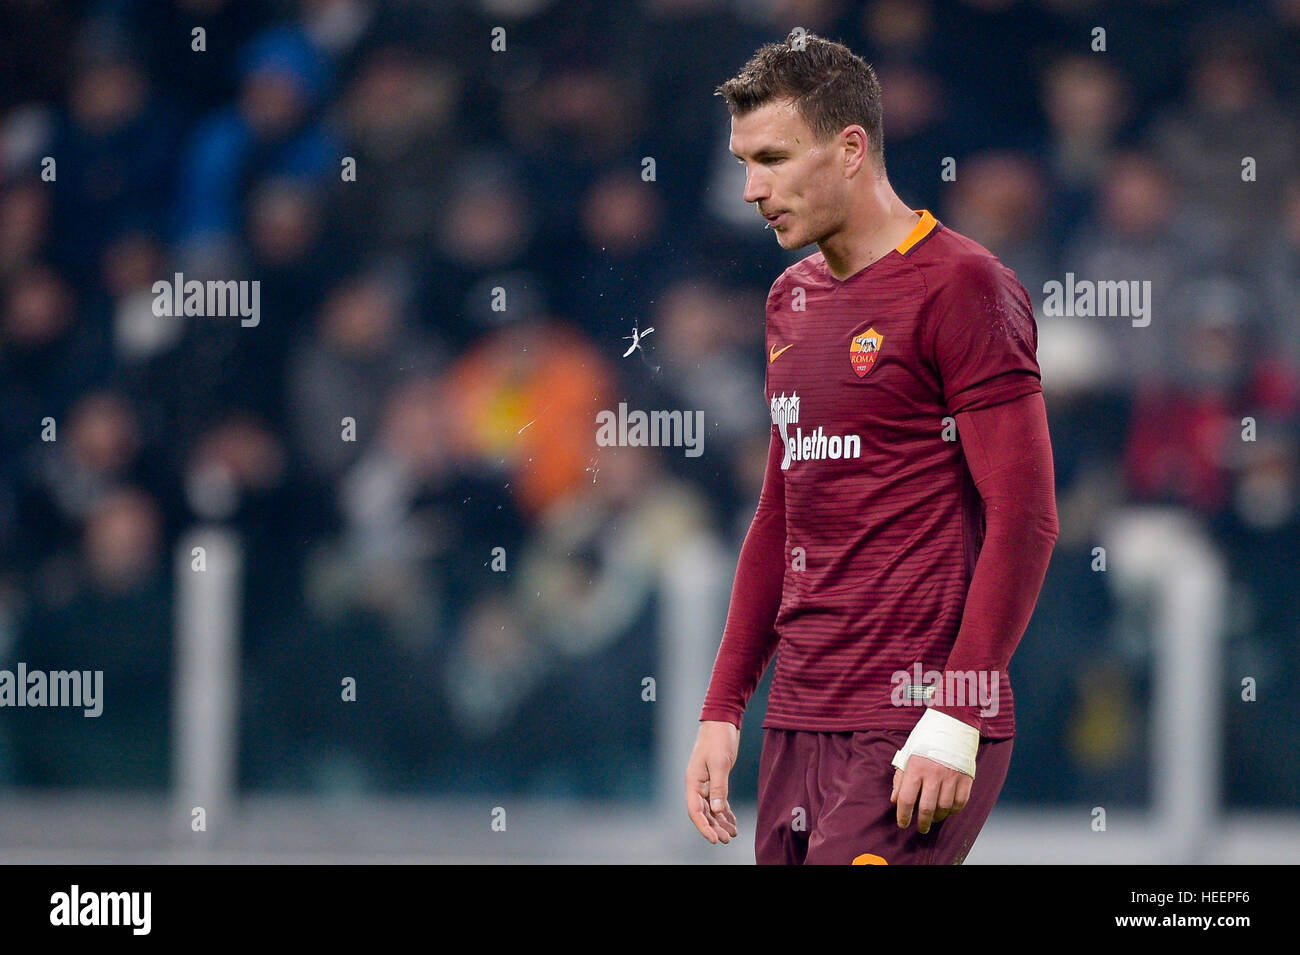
(697, 798)
(717, 789)
(714, 828)
(928, 802)
(947, 794)
(724, 822)
(719, 807)
(930, 790)
(909, 787)
(706, 788)
(697, 809)
(964, 784)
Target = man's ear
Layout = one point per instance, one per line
(857, 150)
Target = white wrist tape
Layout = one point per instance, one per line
(944, 739)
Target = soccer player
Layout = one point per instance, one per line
(907, 513)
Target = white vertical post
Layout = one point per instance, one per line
(206, 676)
(693, 608)
(1188, 717)
(1166, 554)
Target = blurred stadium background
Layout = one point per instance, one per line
(371, 559)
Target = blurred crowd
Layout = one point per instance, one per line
(454, 245)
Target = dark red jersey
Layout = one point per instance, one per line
(882, 518)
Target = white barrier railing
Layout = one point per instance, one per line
(694, 593)
(1163, 553)
(1155, 554)
(205, 689)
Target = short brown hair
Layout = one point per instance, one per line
(830, 85)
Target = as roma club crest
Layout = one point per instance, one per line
(864, 351)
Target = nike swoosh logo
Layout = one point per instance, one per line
(776, 353)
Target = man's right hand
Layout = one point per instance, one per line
(706, 780)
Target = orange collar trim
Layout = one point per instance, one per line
(919, 231)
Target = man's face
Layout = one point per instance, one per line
(796, 182)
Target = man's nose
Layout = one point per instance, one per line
(756, 187)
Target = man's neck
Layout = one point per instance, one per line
(879, 226)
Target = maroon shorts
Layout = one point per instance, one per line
(823, 799)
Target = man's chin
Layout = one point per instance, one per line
(789, 240)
